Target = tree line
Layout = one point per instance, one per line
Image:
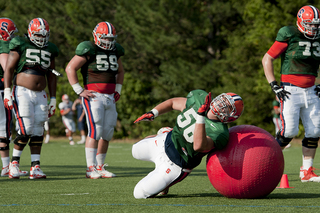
(171, 48)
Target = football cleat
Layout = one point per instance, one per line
(71, 143)
(14, 170)
(308, 175)
(92, 173)
(36, 173)
(81, 142)
(5, 172)
(164, 192)
(104, 173)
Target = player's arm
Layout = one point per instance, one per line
(12, 60)
(120, 77)
(201, 142)
(75, 104)
(178, 103)
(73, 66)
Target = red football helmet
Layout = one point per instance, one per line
(104, 35)
(39, 32)
(308, 21)
(227, 107)
(7, 29)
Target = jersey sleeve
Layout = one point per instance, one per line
(54, 50)
(120, 50)
(4, 47)
(284, 34)
(15, 44)
(196, 98)
(85, 48)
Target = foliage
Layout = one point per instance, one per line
(171, 48)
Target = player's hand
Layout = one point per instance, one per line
(206, 106)
(279, 91)
(149, 116)
(7, 99)
(116, 96)
(87, 94)
(52, 107)
(317, 89)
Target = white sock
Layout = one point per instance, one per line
(35, 157)
(307, 163)
(70, 138)
(83, 138)
(16, 153)
(91, 156)
(5, 161)
(100, 158)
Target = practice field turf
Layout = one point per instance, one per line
(67, 190)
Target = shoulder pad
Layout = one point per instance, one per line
(85, 48)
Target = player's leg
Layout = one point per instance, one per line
(311, 122)
(109, 123)
(70, 128)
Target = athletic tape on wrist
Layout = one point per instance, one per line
(77, 88)
(155, 112)
(118, 88)
(200, 119)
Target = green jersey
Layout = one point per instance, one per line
(182, 133)
(102, 65)
(33, 57)
(302, 55)
(4, 48)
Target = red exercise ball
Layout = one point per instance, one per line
(251, 165)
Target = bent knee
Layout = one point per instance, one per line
(139, 193)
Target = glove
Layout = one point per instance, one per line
(149, 116)
(317, 89)
(206, 106)
(8, 99)
(116, 96)
(280, 92)
(52, 107)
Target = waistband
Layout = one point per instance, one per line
(287, 84)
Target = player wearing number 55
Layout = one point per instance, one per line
(32, 57)
(103, 74)
(200, 127)
(299, 49)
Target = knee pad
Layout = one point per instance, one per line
(21, 140)
(36, 141)
(6, 141)
(283, 141)
(311, 143)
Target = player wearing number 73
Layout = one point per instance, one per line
(299, 48)
(200, 128)
(103, 74)
(31, 56)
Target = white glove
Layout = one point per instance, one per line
(8, 99)
(52, 106)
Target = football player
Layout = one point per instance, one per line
(31, 57)
(200, 128)
(67, 117)
(103, 74)
(7, 32)
(299, 49)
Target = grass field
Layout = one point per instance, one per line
(67, 190)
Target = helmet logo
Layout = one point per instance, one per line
(4, 26)
(300, 12)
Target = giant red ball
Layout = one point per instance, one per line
(250, 166)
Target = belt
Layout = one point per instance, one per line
(287, 84)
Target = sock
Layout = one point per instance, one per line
(307, 163)
(16, 153)
(100, 158)
(91, 156)
(5, 161)
(70, 138)
(83, 138)
(35, 157)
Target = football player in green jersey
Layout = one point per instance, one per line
(31, 57)
(103, 74)
(299, 48)
(7, 31)
(200, 128)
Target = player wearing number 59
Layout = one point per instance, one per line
(32, 57)
(200, 127)
(299, 49)
(103, 74)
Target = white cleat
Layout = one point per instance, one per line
(104, 173)
(92, 173)
(36, 173)
(14, 170)
(308, 175)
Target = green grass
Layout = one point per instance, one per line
(67, 190)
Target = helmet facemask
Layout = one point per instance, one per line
(106, 42)
(223, 106)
